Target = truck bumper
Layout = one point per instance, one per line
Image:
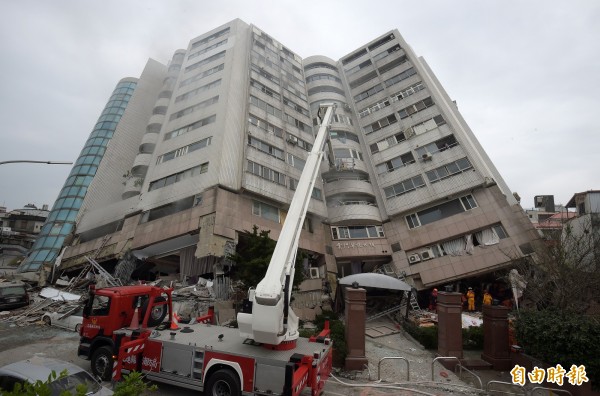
(84, 350)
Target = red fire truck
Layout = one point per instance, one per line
(124, 327)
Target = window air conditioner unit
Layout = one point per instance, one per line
(426, 157)
(427, 254)
(346, 107)
(414, 258)
(314, 273)
(292, 139)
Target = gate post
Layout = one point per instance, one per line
(495, 337)
(356, 301)
(449, 308)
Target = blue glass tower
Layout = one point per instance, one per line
(61, 220)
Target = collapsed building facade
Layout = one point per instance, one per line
(191, 155)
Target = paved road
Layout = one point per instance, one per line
(18, 343)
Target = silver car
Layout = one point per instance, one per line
(39, 368)
(68, 317)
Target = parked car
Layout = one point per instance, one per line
(13, 295)
(67, 317)
(39, 368)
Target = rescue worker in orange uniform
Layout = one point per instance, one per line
(471, 299)
(487, 298)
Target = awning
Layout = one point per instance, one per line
(373, 279)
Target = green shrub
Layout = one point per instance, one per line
(472, 338)
(338, 335)
(428, 336)
(560, 337)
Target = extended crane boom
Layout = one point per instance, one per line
(268, 318)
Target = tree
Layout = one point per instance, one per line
(564, 271)
(252, 257)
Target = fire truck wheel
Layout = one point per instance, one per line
(223, 383)
(102, 363)
(158, 312)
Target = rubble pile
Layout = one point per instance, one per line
(189, 301)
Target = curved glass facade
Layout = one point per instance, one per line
(61, 220)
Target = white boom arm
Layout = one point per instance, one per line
(272, 321)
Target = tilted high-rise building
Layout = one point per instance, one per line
(214, 143)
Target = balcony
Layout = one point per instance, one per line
(141, 163)
(354, 212)
(347, 185)
(149, 138)
(133, 187)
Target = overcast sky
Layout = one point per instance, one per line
(525, 74)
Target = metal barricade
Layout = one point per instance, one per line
(540, 388)
(519, 387)
(393, 358)
(442, 358)
(461, 368)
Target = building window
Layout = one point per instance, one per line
(359, 67)
(382, 123)
(263, 73)
(448, 170)
(318, 65)
(404, 186)
(183, 150)
(408, 91)
(381, 42)
(428, 125)
(191, 127)
(205, 61)
(342, 136)
(177, 177)
(437, 146)
(357, 232)
(368, 93)
(387, 52)
(392, 64)
(191, 109)
(266, 173)
(265, 148)
(400, 77)
(387, 142)
(415, 108)
(266, 107)
(441, 211)
(210, 38)
(265, 126)
(265, 211)
(297, 123)
(295, 107)
(354, 56)
(361, 80)
(205, 50)
(264, 89)
(376, 107)
(296, 162)
(395, 163)
(322, 76)
(202, 75)
(303, 144)
(347, 153)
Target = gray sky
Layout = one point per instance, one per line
(525, 74)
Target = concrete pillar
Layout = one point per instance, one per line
(449, 309)
(355, 328)
(495, 337)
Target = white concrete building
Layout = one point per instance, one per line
(214, 143)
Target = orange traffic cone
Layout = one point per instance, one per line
(135, 320)
(174, 322)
